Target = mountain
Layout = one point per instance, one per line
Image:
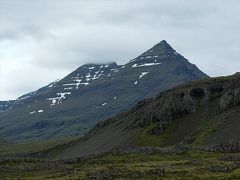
(203, 112)
(4, 105)
(93, 93)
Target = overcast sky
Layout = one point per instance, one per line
(41, 41)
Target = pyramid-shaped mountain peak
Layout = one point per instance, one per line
(161, 48)
(92, 93)
(160, 52)
(163, 45)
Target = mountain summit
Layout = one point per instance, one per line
(161, 48)
(159, 53)
(93, 93)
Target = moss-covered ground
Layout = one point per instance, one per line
(188, 165)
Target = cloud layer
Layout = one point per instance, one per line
(41, 41)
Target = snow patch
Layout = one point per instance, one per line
(142, 74)
(57, 100)
(22, 98)
(54, 100)
(148, 57)
(76, 84)
(86, 83)
(133, 60)
(69, 88)
(114, 70)
(146, 64)
(4, 105)
(63, 95)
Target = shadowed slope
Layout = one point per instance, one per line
(197, 113)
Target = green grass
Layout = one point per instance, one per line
(146, 139)
(207, 128)
(18, 149)
(189, 165)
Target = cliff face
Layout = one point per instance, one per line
(197, 113)
(210, 97)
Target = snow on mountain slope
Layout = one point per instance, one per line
(94, 92)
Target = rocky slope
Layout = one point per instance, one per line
(94, 92)
(204, 112)
(4, 105)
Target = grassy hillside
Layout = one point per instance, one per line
(195, 130)
(204, 112)
(46, 149)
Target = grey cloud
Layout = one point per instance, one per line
(61, 35)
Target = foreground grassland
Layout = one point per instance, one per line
(188, 165)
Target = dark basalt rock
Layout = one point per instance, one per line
(230, 99)
(172, 105)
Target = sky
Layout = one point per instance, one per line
(41, 41)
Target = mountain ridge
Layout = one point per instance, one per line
(69, 107)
